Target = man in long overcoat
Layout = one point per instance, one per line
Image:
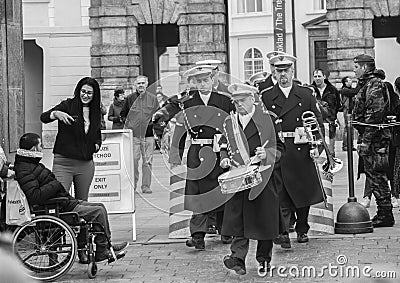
(301, 186)
(251, 213)
(202, 114)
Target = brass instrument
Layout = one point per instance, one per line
(311, 127)
(312, 130)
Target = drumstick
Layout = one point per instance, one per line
(254, 157)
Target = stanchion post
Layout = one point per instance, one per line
(352, 217)
(350, 159)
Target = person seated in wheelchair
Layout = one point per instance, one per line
(40, 185)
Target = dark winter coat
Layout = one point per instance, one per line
(37, 182)
(114, 114)
(257, 218)
(299, 174)
(71, 140)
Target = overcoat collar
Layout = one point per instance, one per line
(289, 103)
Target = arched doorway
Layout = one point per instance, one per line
(117, 33)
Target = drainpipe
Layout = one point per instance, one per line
(294, 34)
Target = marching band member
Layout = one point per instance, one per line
(203, 112)
(218, 85)
(251, 136)
(271, 79)
(289, 101)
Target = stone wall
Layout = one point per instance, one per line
(350, 32)
(115, 48)
(11, 75)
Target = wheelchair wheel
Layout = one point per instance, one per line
(46, 246)
(92, 270)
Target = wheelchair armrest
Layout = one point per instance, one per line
(50, 204)
(56, 200)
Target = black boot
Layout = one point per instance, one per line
(197, 241)
(383, 218)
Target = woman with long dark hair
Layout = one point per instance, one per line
(78, 136)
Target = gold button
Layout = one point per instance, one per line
(219, 114)
(297, 119)
(195, 116)
(201, 130)
(298, 148)
(299, 103)
(273, 106)
(202, 159)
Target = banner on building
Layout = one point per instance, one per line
(279, 25)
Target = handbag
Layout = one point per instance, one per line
(17, 207)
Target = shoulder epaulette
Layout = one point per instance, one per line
(264, 90)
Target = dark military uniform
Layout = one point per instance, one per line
(257, 218)
(372, 107)
(301, 187)
(267, 83)
(202, 122)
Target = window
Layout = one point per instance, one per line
(250, 6)
(319, 5)
(253, 62)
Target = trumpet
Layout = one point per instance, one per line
(315, 136)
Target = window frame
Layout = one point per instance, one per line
(245, 10)
(252, 60)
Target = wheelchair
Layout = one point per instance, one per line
(47, 245)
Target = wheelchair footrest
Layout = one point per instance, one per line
(118, 256)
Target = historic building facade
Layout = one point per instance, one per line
(115, 40)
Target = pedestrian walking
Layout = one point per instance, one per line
(289, 101)
(203, 113)
(246, 218)
(136, 113)
(372, 107)
(78, 136)
(328, 93)
(114, 112)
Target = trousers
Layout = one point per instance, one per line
(240, 248)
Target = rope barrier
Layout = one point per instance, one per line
(379, 126)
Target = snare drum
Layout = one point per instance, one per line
(239, 179)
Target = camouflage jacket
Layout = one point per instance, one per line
(371, 107)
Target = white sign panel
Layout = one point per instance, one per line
(112, 182)
(108, 157)
(106, 188)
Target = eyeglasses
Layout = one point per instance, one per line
(84, 91)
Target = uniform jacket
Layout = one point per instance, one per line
(114, 114)
(267, 83)
(372, 107)
(71, 140)
(202, 163)
(137, 113)
(257, 218)
(37, 182)
(298, 171)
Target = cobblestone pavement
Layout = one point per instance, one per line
(155, 258)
